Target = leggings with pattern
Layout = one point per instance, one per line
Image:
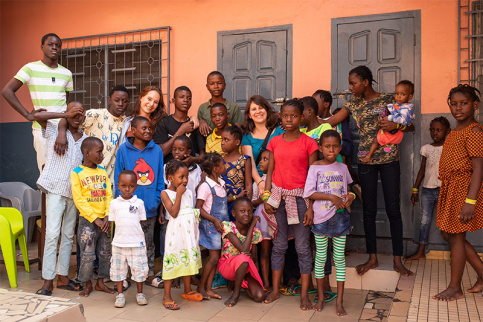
(339, 256)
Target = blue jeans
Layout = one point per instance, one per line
(429, 199)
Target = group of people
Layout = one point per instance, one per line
(251, 194)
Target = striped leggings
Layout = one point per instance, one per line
(339, 256)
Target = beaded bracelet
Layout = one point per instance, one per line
(353, 194)
(265, 198)
(415, 190)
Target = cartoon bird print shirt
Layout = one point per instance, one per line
(148, 165)
(91, 191)
(329, 179)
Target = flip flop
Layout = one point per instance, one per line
(44, 292)
(292, 291)
(284, 291)
(313, 291)
(71, 286)
(192, 296)
(171, 306)
(329, 299)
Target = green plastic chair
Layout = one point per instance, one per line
(11, 228)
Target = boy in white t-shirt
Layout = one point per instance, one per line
(128, 245)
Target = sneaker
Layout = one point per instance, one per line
(141, 299)
(120, 300)
(219, 282)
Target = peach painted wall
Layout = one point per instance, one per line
(194, 36)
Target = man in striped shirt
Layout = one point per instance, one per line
(49, 84)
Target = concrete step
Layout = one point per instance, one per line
(383, 278)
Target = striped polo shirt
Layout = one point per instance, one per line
(47, 86)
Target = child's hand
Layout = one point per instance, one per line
(243, 193)
(99, 223)
(268, 208)
(467, 213)
(180, 190)
(106, 225)
(195, 120)
(161, 218)
(73, 112)
(218, 225)
(60, 145)
(205, 129)
(349, 198)
(309, 216)
(261, 187)
(186, 127)
(255, 219)
(414, 198)
(337, 201)
(188, 159)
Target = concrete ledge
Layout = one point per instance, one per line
(29, 307)
(382, 279)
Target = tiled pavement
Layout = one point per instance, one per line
(411, 301)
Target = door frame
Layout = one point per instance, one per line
(288, 49)
(416, 14)
(413, 229)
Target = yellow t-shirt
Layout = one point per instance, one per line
(91, 191)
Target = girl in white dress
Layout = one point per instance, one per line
(182, 252)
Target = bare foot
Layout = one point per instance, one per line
(370, 264)
(399, 267)
(339, 309)
(319, 306)
(449, 294)
(103, 288)
(232, 300)
(272, 296)
(203, 292)
(305, 303)
(213, 295)
(478, 287)
(176, 283)
(88, 290)
(416, 256)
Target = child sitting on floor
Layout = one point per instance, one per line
(128, 246)
(182, 253)
(236, 262)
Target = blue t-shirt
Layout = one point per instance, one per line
(256, 144)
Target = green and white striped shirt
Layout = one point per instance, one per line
(47, 86)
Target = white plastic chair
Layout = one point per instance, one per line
(22, 197)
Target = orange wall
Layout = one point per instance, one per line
(194, 36)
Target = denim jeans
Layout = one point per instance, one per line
(301, 235)
(90, 235)
(60, 220)
(390, 178)
(429, 199)
(148, 229)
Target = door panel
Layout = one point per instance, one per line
(254, 63)
(386, 46)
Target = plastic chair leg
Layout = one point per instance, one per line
(8, 250)
(23, 247)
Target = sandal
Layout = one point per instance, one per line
(292, 290)
(331, 297)
(284, 291)
(157, 282)
(171, 306)
(44, 292)
(70, 286)
(193, 296)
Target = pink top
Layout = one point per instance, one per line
(291, 160)
(204, 192)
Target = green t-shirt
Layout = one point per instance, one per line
(204, 112)
(317, 132)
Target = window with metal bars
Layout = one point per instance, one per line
(134, 59)
(470, 41)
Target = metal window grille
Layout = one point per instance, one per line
(134, 59)
(470, 44)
